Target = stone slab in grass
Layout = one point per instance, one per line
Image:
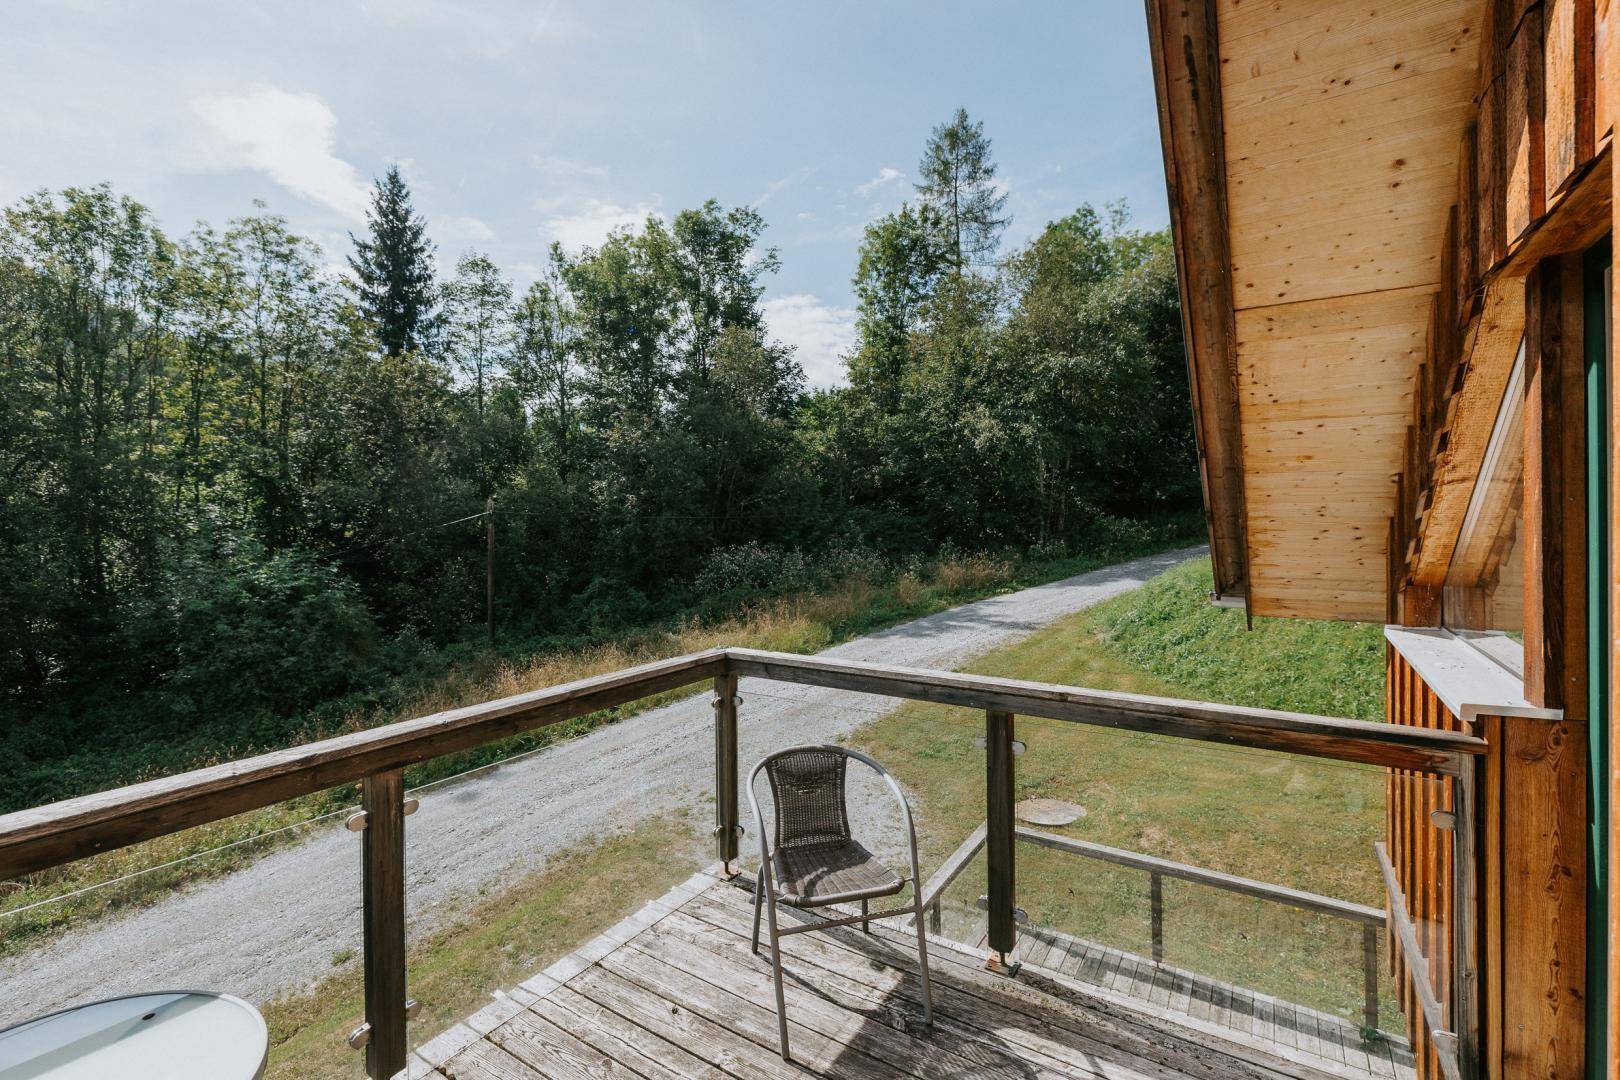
(1049, 812)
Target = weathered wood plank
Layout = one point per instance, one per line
(1346, 740)
(382, 888)
(552, 1051)
(1526, 179)
(74, 828)
(1568, 58)
(1187, 80)
(485, 1061)
(675, 1023)
(632, 1044)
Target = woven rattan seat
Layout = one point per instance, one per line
(832, 874)
(816, 862)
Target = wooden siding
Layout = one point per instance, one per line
(1341, 124)
(1533, 892)
(1420, 853)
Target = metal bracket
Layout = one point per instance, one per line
(1018, 746)
(360, 1037)
(357, 821)
(1443, 819)
(736, 700)
(1020, 916)
(737, 830)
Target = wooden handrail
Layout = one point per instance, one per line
(1445, 1042)
(47, 836)
(61, 832)
(1263, 890)
(1366, 742)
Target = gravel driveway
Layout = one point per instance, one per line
(276, 925)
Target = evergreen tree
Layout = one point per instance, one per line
(394, 268)
(959, 183)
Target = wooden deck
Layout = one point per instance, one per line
(673, 991)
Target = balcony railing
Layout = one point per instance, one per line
(48, 836)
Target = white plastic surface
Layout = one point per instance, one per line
(171, 1036)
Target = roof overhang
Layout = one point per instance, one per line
(1311, 159)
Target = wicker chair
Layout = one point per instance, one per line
(817, 862)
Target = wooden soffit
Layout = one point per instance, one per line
(1337, 143)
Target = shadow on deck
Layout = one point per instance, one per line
(673, 991)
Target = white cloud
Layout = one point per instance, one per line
(886, 176)
(569, 168)
(822, 333)
(290, 136)
(470, 229)
(588, 224)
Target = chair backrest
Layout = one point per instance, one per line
(807, 785)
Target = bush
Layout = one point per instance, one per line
(752, 569)
(247, 632)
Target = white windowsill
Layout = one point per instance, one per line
(1470, 683)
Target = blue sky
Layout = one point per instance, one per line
(520, 123)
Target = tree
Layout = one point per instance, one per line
(393, 268)
(544, 366)
(959, 183)
(477, 305)
(898, 269)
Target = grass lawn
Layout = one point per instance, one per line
(494, 944)
(1289, 820)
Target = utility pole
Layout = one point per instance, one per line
(489, 567)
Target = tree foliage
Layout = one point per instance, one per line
(234, 485)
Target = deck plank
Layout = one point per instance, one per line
(484, 1060)
(743, 1017)
(1110, 1033)
(645, 1052)
(701, 1037)
(553, 1051)
(675, 992)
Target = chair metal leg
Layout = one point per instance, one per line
(922, 964)
(759, 895)
(776, 974)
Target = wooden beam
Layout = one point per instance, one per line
(1242, 886)
(1526, 178)
(1490, 347)
(63, 831)
(1554, 489)
(1567, 63)
(1000, 826)
(1187, 81)
(1316, 736)
(383, 917)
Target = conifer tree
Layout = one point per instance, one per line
(393, 268)
(959, 183)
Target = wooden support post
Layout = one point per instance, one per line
(725, 772)
(999, 838)
(1369, 975)
(1466, 1011)
(1156, 915)
(489, 567)
(383, 892)
(936, 919)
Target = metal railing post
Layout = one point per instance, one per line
(999, 839)
(383, 893)
(726, 820)
(1369, 974)
(1156, 915)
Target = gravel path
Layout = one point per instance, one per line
(276, 925)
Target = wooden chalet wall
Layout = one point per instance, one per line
(1534, 190)
(1533, 182)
